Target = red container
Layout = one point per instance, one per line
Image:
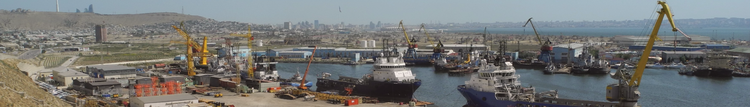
(160, 65)
(351, 102)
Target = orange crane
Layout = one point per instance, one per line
(250, 39)
(302, 83)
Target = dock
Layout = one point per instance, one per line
(564, 70)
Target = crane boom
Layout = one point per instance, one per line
(187, 37)
(301, 84)
(250, 39)
(539, 39)
(401, 24)
(626, 90)
(636, 79)
(428, 35)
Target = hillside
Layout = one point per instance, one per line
(14, 81)
(62, 20)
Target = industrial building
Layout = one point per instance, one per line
(294, 54)
(111, 71)
(677, 54)
(96, 86)
(174, 100)
(641, 40)
(664, 48)
(560, 53)
(740, 51)
(717, 47)
(462, 47)
(100, 33)
(288, 25)
(66, 78)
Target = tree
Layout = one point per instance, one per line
(78, 11)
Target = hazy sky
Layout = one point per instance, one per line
(412, 12)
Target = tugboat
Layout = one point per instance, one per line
(390, 80)
(498, 86)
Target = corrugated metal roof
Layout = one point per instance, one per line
(572, 45)
(280, 52)
(167, 98)
(112, 67)
(105, 83)
(71, 73)
(740, 50)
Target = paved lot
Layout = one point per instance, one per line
(30, 54)
(268, 100)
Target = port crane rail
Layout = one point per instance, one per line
(626, 90)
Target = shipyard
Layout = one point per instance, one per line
(78, 57)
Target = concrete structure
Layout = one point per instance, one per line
(66, 78)
(462, 47)
(288, 25)
(641, 40)
(174, 100)
(100, 33)
(363, 43)
(677, 54)
(96, 86)
(561, 52)
(372, 44)
(111, 71)
(295, 54)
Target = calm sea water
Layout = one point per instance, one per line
(714, 33)
(660, 88)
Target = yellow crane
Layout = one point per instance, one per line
(401, 24)
(189, 57)
(250, 38)
(193, 44)
(626, 90)
(428, 35)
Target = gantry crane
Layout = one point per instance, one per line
(250, 39)
(626, 90)
(544, 54)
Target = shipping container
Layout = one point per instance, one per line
(352, 102)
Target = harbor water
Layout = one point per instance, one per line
(660, 87)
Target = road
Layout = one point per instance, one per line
(30, 54)
(129, 62)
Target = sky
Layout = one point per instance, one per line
(413, 12)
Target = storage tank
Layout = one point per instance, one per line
(260, 42)
(363, 43)
(372, 44)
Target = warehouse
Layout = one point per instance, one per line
(641, 40)
(560, 53)
(716, 46)
(96, 86)
(111, 71)
(66, 78)
(665, 48)
(174, 100)
(463, 47)
(295, 54)
(677, 54)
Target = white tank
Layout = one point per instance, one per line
(363, 43)
(260, 42)
(372, 44)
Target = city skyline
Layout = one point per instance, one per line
(412, 12)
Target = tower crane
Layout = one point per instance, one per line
(249, 36)
(544, 55)
(189, 57)
(626, 90)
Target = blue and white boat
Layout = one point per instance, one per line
(498, 86)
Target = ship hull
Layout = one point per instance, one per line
(599, 70)
(384, 91)
(714, 72)
(487, 99)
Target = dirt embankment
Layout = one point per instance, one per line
(63, 20)
(15, 82)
